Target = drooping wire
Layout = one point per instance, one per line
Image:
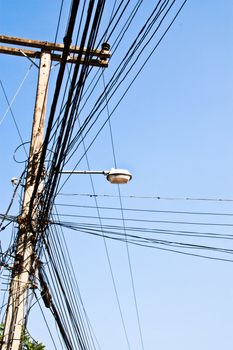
(108, 255)
(65, 53)
(16, 94)
(152, 243)
(65, 291)
(59, 21)
(74, 282)
(127, 89)
(62, 305)
(220, 224)
(119, 71)
(149, 197)
(67, 125)
(13, 117)
(123, 221)
(146, 210)
(153, 231)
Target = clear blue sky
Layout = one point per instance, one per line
(173, 131)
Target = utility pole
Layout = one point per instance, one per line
(24, 258)
(24, 267)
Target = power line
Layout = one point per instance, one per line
(116, 77)
(13, 117)
(150, 221)
(16, 94)
(152, 243)
(145, 210)
(108, 255)
(122, 216)
(144, 230)
(149, 197)
(123, 221)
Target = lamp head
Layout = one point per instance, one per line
(119, 176)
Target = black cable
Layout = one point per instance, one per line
(61, 144)
(150, 197)
(59, 21)
(13, 117)
(135, 239)
(150, 221)
(67, 42)
(183, 233)
(123, 221)
(144, 210)
(108, 258)
(165, 243)
(65, 282)
(129, 86)
(123, 64)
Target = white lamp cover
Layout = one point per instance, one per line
(119, 176)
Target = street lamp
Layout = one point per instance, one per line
(115, 176)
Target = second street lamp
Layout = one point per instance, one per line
(115, 176)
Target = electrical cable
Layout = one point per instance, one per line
(123, 221)
(12, 200)
(144, 242)
(144, 210)
(13, 117)
(47, 325)
(125, 90)
(64, 274)
(66, 126)
(16, 94)
(144, 230)
(108, 258)
(103, 95)
(150, 221)
(150, 197)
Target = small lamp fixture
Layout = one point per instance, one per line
(115, 176)
(14, 181)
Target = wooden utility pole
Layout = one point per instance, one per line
(24, 258)
(24, 268)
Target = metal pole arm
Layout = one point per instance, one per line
(102, 172)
